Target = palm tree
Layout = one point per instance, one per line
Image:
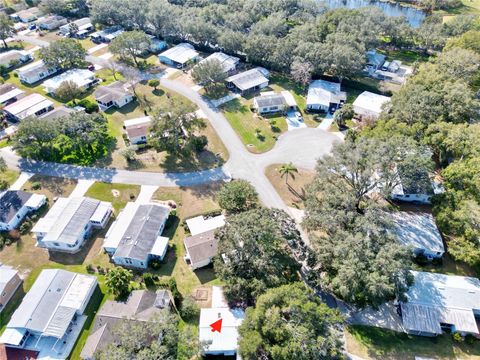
(288, 170)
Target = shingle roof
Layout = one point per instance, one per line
(202, 246)
(141, 234)
(56, 113)
(10, 202)
(112, 92)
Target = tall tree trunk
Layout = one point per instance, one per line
(5, 44)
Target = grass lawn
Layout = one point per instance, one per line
(9, 176)
(293, 193)
(407, 57)
(469, 7)
(245, 122)
(357, 86)
(149, 159)
(105, 192)
(4, 143)
(375, 343)
(191, 201)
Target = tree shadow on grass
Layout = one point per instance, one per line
(158, 92)
(206, 274)
(188, 163)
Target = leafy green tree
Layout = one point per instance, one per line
(118, 280)
(209, 74)
(173, 129)
(6, 28)
(287, 170)
(68, 90)
(129, 45)
(79, 138)
(288, 323)
(237, 196)
(63, 54)
(77, 8)
(469, 40)
(343, 114)
(253, 253)
(154, 83)
(3, 164)
(129, 152)
(144, 340)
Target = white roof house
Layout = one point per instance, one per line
(15, 205)
(418, 231)
(82, 77)
(200, 224)
(69, 222)
(34, 104)
(50, 317)
(229, 63)
(437, 301)
(35, 72)
(224, 342)
(135, 237)
(250, 80)
(368, 104)
(179, 55)
(9, 283)
(84, 26)
(9, 93)
(137, 129)
(325, 96)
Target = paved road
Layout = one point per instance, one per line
(301, 147)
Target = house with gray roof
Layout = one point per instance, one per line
(10, 281)
(35, 72)
(325, 96)
(27, 15)
(60, 112)
(269, 103)
(15, 205)
(419, 232)
(249, 81)
(10, 93)
(141, 306)
(115, 94)
(51, 315)
(135, 237)
(228, 63)
(51, 22)
(375, 60)
(438, 303)
(82, 26)
(69, 223)
(14, 58)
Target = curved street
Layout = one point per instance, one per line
(302, 147)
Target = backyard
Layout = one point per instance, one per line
(372, 343)
(118, 194)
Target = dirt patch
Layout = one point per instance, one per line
(115, 193)
(203, 296)
(293, 192)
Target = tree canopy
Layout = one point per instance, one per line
(209, 74)
(79, 138)
(118, 280)
(237, 196)
(291, 323)
(254, 255)
(63, 54)
(6, 28)
(129, 45)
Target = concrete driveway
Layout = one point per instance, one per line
(293, 122)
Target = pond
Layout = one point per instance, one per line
(414, 16)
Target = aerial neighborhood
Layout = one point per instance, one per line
(248, 179)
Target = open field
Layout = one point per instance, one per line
(374, 343)
(9, 176)
(293, 193)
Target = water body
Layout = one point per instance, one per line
(414, 16)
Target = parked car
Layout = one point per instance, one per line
(91, 67)
(299, 116)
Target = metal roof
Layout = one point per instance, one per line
(199, 224)
(417, 230)
(368, 103)
(438, 298)
(142, 232)
(227, 339)
(33, 69)
(81, 77)
(228, 62)
(28, 105)
(72, 220)
(181, 53)
(270, 100)
(43, 308)
(248, 79)
(325, 93)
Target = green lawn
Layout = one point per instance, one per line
(375, 343)
(245, 122)
(407, 57)
(9, 176)
(469, 7)
(105, 192)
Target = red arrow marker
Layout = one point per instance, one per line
(217, 326)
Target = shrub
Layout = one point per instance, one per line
(36, 185)
(90, 269)
(470, 339)
(155, 264)
(457, 337)
(189, 309)
(421, 260)
(198, 143)
(90, 106)
(149, 279)
(25, 227)
(237, 196)
(132, 196)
